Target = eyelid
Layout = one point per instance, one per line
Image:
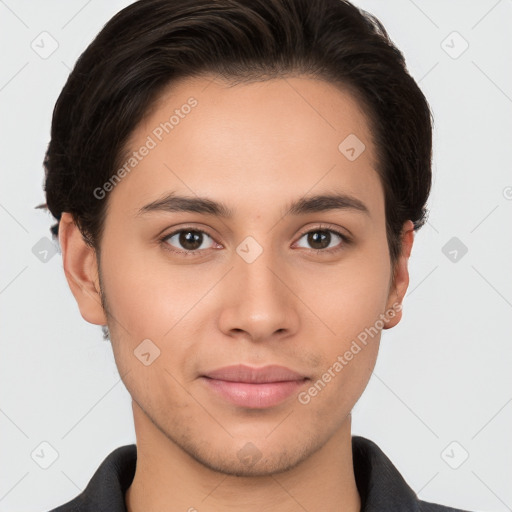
(327, 227)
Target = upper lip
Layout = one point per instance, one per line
(251, 374)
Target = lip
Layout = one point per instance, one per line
(254, 375)
(255, 388)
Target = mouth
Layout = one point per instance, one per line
(254, 388)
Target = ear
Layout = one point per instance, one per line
(401, 277)
(80, 268)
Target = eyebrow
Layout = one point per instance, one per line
(172, 202)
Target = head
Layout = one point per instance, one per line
(265, 110)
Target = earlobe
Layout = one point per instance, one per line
(80, 268)
(401, 278)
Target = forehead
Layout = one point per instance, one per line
(271, 140)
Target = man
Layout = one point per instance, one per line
(237, 185)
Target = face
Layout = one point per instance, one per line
(189, 291)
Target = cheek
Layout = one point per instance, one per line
(348, 356)
(149, 295)
(335, 391)
(348, 298)
(351, 302)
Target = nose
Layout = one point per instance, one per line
(258, 302)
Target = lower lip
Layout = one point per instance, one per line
(254, 396)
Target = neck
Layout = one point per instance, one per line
(169, 479)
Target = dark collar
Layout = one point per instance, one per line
(380, 485)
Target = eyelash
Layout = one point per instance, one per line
(345, 240)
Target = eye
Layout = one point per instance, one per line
(321, 240)
(189, 240)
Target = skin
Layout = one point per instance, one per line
(256, 147)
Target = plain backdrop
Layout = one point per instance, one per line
(440, 400)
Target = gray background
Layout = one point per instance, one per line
(441, 390)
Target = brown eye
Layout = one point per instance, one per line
(324, 240)
(319, 239)
(187, 240)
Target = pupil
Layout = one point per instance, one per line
(314, 239)
(189, 240)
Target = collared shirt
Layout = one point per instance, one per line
(381, 486)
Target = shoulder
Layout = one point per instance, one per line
(381, 486)
(425, 506)
(105, 491)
